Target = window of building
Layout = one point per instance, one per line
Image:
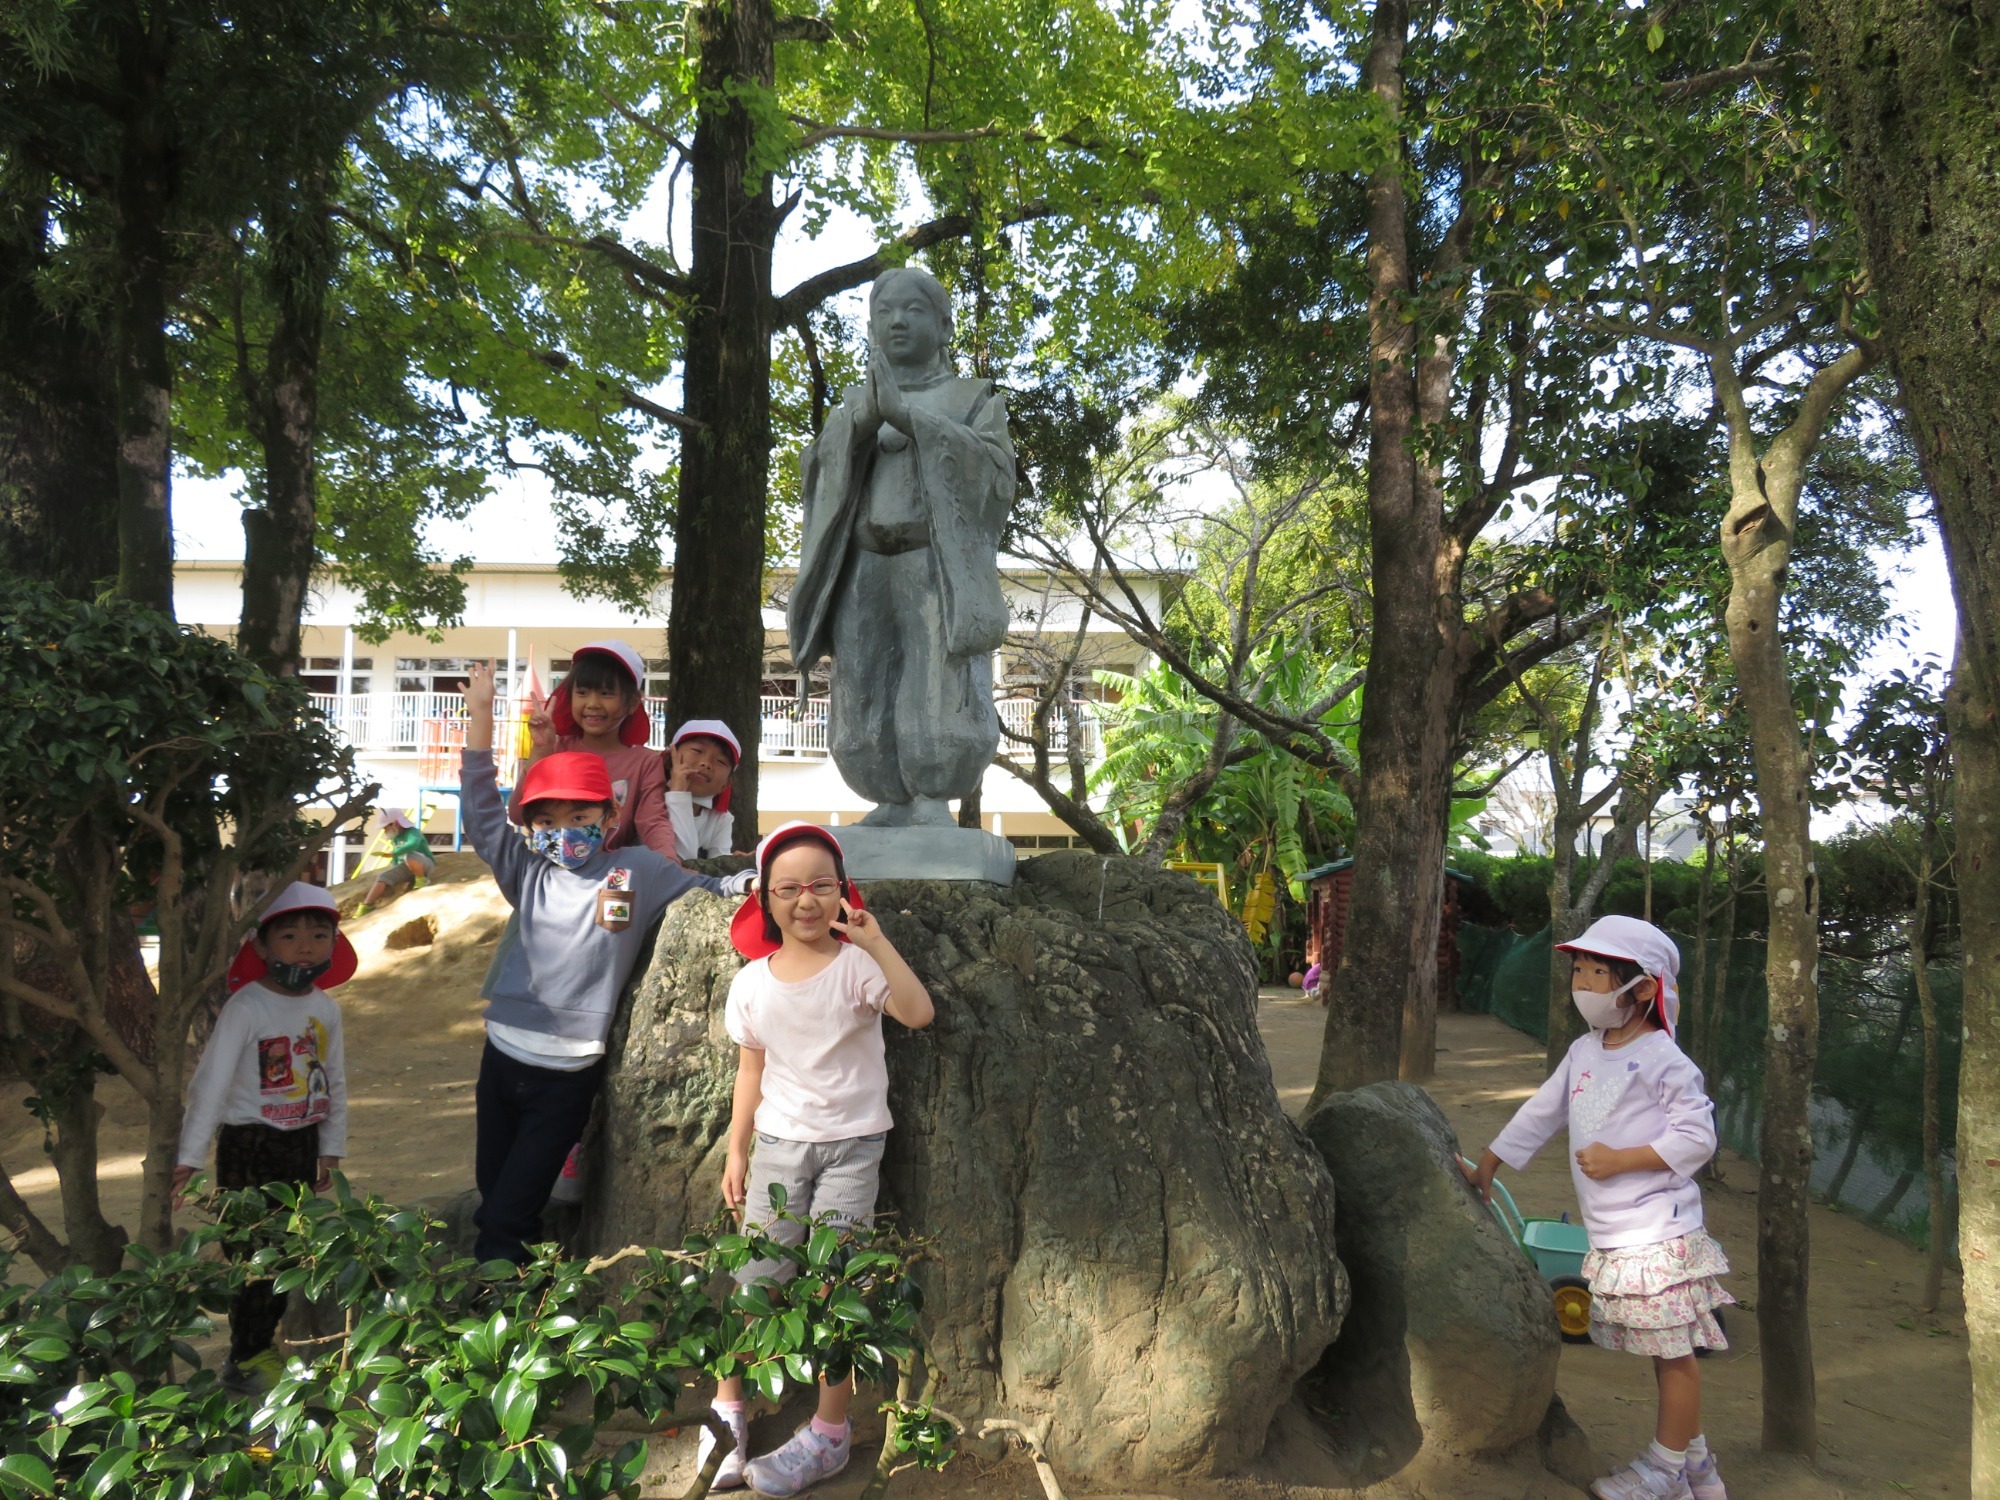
(442, 674)
(322, 674)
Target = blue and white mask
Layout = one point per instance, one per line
(567, 847)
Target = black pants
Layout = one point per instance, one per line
(529, 1117)
(249, 1156)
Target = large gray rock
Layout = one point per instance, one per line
(1452, 1344)
(1134, 1246)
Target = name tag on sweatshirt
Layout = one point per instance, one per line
(614, 901)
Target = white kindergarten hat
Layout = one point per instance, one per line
(715, 729)
(1643, 944)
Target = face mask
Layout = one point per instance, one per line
(567, 847)
(295, 976)
(1601, 1012)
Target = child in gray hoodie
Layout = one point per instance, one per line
(550, 1000)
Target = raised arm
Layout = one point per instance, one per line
(909, 1002)
(486, 823)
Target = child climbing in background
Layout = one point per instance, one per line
(600, 708)
(1640, 1127)
(811, 1108)
(273, 1079)
(700, 762)
(411, 863)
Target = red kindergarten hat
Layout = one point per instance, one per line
(249, 964)
(746, 928)
(638, 726)
(567, 776)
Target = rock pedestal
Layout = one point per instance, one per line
(1452, 1344)
(1134, 1247)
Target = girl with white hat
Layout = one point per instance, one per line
(1640, 1127)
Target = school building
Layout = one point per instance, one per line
(399, 702)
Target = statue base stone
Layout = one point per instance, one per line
(925, 853)
(1132, 1248)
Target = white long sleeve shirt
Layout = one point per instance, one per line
(1645, 1093)
(700, 832)
(274, 1060)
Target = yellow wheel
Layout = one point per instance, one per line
(1572, 1298)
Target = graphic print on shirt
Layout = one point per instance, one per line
(293, 1088)
(618, 789)
(1591, 1100)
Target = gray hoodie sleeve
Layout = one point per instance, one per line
(494, 838)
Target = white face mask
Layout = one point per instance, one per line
(1601, 1011)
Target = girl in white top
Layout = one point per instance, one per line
(1640, 1127)
(811, 1108)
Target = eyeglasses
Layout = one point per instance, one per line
(791, 890)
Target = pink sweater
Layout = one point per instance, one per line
(1645, 1093)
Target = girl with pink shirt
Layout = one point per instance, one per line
(811, 1108)
(1640, 1127)
(600, 707)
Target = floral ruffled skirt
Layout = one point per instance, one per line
(1658, 1299)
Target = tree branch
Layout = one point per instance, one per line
(814, 290)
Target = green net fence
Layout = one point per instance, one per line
(1867, 1114)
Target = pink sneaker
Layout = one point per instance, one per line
(1704, 1480)
(1642, 1479)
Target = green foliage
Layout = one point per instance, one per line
(451, 1379)
(123, 733)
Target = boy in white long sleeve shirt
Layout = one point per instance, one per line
(273, 1082)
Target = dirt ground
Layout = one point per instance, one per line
(1894, 1390)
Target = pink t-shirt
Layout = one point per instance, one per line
(1645, 1093)
(639, 783)
(825, 1078)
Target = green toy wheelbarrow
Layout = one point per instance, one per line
(1557, 1248)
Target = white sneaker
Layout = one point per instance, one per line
(1704, 1480)
(729, 1476)
(1642, 1479)
(801, 1463)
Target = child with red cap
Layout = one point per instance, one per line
(585, 911)
(273, 1080)
(600, 707)
(1640, 1127)
(812, 1091)
(700, 761)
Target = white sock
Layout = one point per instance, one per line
(1673, 1460)
(1697, 1448)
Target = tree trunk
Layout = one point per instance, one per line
(715, 633)
(1382, 1000)
(1694, 1007)
(1565, 1025)
(1725, 942)
(1920, 957)
(1756, 541)
(1913, 93)
(58, 429)
(144, 363)
(1975, 745)
(278, 536)
(71, 1097)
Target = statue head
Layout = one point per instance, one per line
(909, 319)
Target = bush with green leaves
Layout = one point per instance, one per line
(448, 1378)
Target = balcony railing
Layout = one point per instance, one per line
(431, 726)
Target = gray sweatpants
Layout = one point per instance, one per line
(821, 1179)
